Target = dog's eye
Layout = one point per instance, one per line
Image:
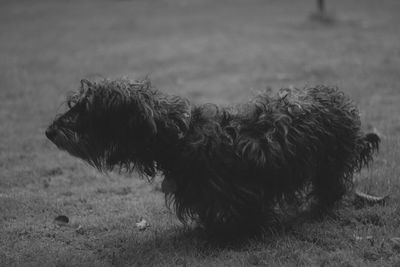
(77, 105)
(71, 103)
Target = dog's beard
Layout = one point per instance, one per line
(78, 146)
(102, 154)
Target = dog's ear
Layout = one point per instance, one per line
(82, 93)
(149, 120)
(144, 116)
(86, 90)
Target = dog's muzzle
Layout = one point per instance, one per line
(51, 133)
(55, 135)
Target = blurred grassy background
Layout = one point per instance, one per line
(209, 51)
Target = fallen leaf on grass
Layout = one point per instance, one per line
(61, 220)
(142, 225)
(359, 238)
(80, 230)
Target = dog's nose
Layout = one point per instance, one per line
(51, 133)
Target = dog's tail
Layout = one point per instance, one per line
(369, 144)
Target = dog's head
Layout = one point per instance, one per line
(108, 124)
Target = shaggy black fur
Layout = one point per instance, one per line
(226, 168)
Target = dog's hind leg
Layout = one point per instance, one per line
(329, 186)
(333, 178)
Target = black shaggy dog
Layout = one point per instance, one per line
(226, 168)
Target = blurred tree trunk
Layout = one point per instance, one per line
(321, 6)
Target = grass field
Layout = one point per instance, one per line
(209, 51)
